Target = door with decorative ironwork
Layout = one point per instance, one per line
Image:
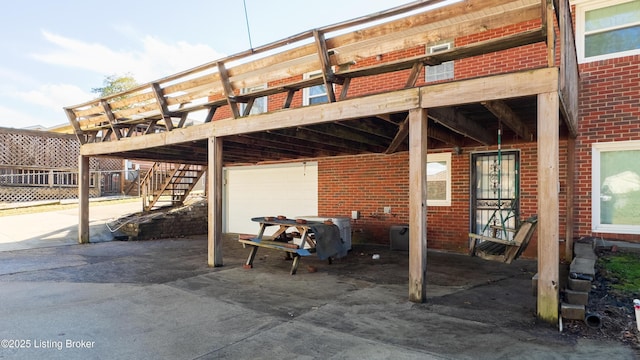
(495, 193)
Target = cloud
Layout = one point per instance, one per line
(55, 96)
(154, 59)
(16, 119)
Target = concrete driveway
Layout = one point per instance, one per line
(60, 227)
(158, 300)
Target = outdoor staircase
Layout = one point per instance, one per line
(169, 183)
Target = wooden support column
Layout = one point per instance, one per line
(548, 207)
(214, 200)
(83, 199)
(571, 164)
(417, 205)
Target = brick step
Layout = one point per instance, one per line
(576, 297)
(572, 311)
(579, 285)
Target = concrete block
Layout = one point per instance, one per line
(601, 244)
(579, 285)
(584, 250)
(583, 266)
(534, 284)
(572, 311)
(577, 297)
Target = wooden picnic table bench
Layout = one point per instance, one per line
(304, 232)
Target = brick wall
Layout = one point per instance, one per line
(609, 111)
(517, 59)
(189, 219)
(368, 183)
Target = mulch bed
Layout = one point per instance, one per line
(616, 312)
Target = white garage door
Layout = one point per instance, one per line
(268, 190)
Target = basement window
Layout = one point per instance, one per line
(607, 29)
(615, 177)
(439, 179)
(259, 105)
(440, 72)
(314, 94)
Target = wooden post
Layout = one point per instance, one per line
(83, 199)
(548, 206)
(214, 200)
(571, 163)
(417, 204)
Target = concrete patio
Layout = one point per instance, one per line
(158, 300)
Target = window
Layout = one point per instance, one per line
(315, 94)
(259, 105)
(616, 187)
(443, 71)
(439, 179)
(607, 29)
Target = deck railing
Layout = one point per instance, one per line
(335, 50)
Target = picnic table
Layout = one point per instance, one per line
(308, 237)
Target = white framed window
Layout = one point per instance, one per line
(615, 174)
(607, 29)
(443, 71)
(439, 179)
(259, 104)
(314, 94)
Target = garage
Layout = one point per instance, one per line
(268, 190)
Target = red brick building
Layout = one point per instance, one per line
(609, 112)
(489, 90)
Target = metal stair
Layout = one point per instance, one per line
(169, 183)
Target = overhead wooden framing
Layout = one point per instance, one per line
(496, 87)
(426, 112)
(219, 84)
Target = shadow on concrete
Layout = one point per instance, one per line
(158, 299)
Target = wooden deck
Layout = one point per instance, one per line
(533, 103)
(165, 105)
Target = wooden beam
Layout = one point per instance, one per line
(371, 126)
(445, 136)
(214, 200)
(571, 164)
(228, 90)
(366, 106)
(569, 73)
(526, 83)
(345, 88)
(327, 73)
(452, 119)
(403, 132)
(416, 70)
(327, 139)
(248, 106)
(84, 181)
(503, 112)
(110, 118)
(465, 51)
(504, 86)
(210, 113)
(548, 207)
(289, 98)
(162, 104)
(417, 205)
(256, 141)
(347, 133)
(82, 138)
(183, 119)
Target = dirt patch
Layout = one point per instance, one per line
(614, 309)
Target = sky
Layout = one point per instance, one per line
(55, 52)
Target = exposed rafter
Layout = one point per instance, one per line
(455, 121)
(507, 116)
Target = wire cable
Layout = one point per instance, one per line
(246, 18)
